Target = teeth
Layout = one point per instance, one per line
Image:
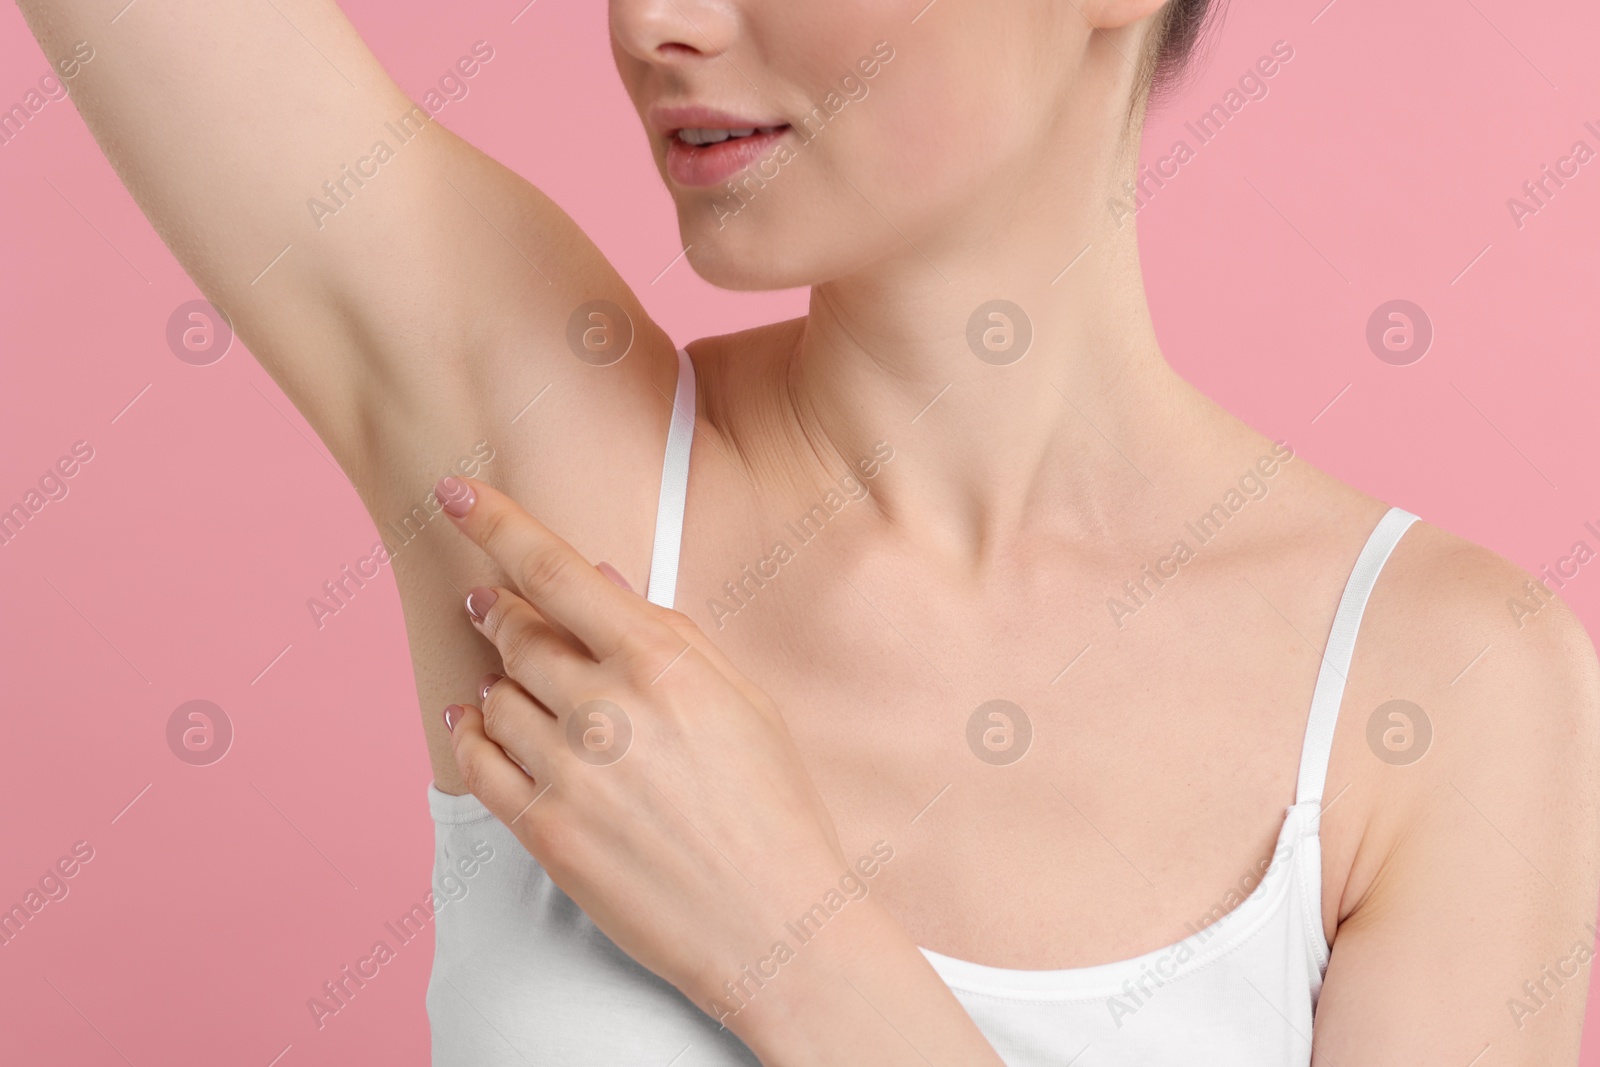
(698, 137)
(703, 136)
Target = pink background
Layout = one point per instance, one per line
(179, 565)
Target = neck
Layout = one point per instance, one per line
(1055, 411)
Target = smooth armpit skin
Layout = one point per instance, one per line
(412, 326)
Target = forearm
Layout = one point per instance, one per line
(859, 991)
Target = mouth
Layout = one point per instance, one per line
(699, 137)
(706, 148)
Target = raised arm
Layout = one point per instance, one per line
(364, 253)
(410, 296)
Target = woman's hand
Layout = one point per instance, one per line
(663, 792)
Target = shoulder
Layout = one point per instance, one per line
(1469, 816)
(1471, 721)
(1484, 635)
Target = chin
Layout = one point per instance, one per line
(748, 252)
(748, 269)
(770, 246)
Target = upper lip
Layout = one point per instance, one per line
(669, 120)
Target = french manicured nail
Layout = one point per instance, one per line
(611, 572)
(479, 601)
(452, 715)
(456, 495)
(485, 685)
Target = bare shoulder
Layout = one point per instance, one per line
(1471, 721)
(1503, 652)
(1463, 809)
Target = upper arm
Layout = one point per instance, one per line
(379, 268)
(1475, 928)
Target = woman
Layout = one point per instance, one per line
(1012, 710)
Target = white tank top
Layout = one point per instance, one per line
(521, 976)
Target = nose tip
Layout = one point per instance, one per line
(668, 30)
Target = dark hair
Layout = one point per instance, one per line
(1171, 46)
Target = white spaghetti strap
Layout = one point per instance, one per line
(674, 489)
(1341, 645)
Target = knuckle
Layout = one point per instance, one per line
(647, 652)
(492, 528)
(661, 643)
(474, 771)
(518, 646)
(542, 573)
(494, 711)
(679, 623)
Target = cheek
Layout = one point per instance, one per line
(930, 138)
(938, 122)
(918, 135)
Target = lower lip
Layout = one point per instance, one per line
(712, 164)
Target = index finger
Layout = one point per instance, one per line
(549, 573)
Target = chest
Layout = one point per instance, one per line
(1060, 784)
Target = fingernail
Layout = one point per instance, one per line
(485, 685)
(479, 601)
(452, 715)
(456, 495)
(611, 572)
